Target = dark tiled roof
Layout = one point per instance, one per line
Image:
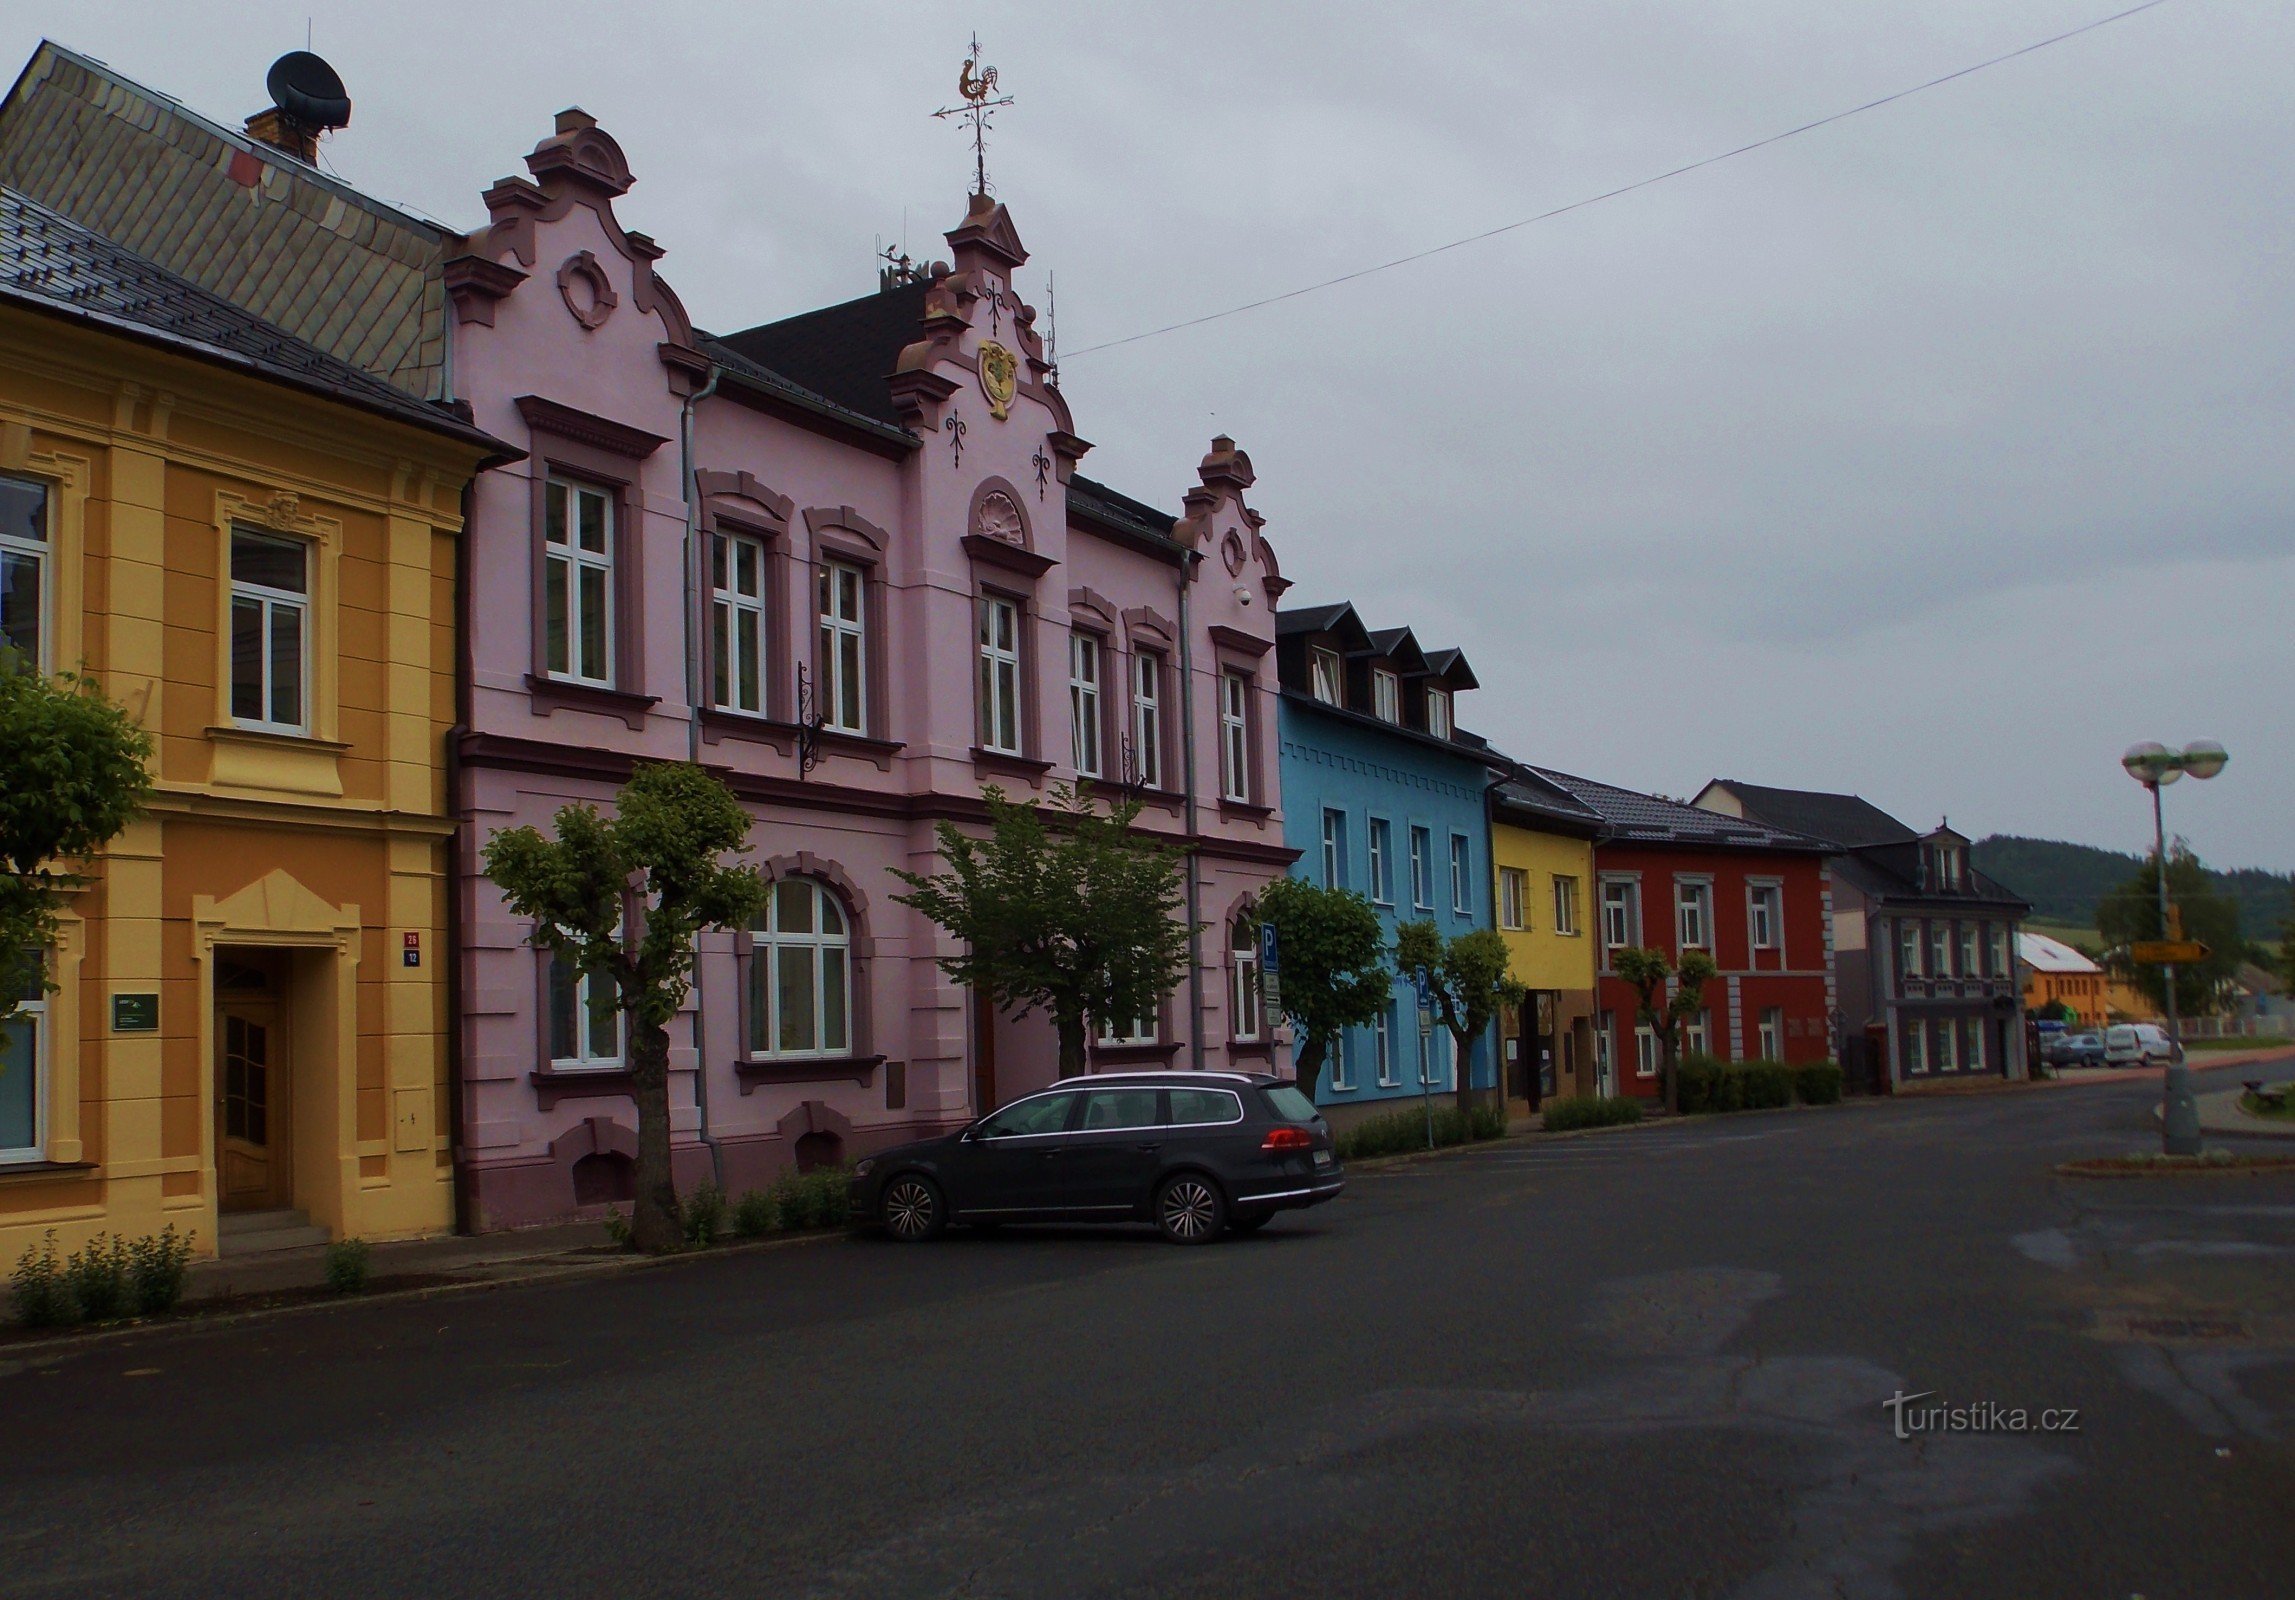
(52, 264)
(741, 370)
(1636, 818)
(846, 352)
(1311, 619)
(304, 251)
(1527, 798)
(1451, 666)
(1848, 820)
(1097, 503)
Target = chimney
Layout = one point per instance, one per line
(307, 99)
(282, 132)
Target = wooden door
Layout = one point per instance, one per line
(253, 1123)
(983, 1054)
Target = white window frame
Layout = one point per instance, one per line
(1763, 903)
(586, 1057)
(1916, 1047)
(40, 553)
(1461, 875)
(1382, 847)
(1645, 1051)
(569, 555)
(271, 602)
(1334, 848)
(1147, 719)
(737, 619)
(765, 947)
(1246, 993)
(1514, 899)
(1605, 1052)
(1940, 949)
(1912, 953)
(1386, 694)
(1565, 905)
(1693, 914)
(1326, 676)
(1235, 737)
(1971, 952)
(1769, 1033)
(1383, 1046)
(999, 633)
(34, 1017)
(1147, 1030)
(1948, 1044)
(1621, 913)
(1697, 1033)
(1438, 712)
(1085, 655)
(1422, 868)
(1435, 1051)
(1996, 943)
(1342, 1059)
(838, 630)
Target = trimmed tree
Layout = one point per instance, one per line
(1647, 970)
(1469, 981)
(1061, 910)
(73, 773)
(1334, 973)
(2131, 912)
(621, 900)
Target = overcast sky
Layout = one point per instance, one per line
(1937, 455)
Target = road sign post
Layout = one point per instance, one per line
(1270, 976)
(1426, 1053)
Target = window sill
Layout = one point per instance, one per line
(864, 746)
(559, 694)
(1243, 811)
(1009, 557)
(719, 724)
(1251, 1049)
(258, 758)
(44, 1171)
(578, 1084)
(806, 1069)
(986, 760)
(1116, 1054)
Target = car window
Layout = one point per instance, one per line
(1120, 1108)
(1290, 1104)
(1193, 1106)
(1047, 1113)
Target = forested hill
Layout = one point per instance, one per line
(2064, 881)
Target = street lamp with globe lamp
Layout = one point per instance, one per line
(2155, 766)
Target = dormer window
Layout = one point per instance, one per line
(1947, 867)
(1323, 673)
(1438, 713)
(1386, 695)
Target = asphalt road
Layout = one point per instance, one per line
(1641, 1363)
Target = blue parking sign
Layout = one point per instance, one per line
(1270, 951)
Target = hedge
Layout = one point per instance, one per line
(1396, 1132)
(1708, 1085)
(1590, 1111)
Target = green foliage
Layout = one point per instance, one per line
(1591, 1111)
(1768, 1085)
(1647, 971)
(622, 901)
(98, 1275)
(704, 1215)
(76, 773)
(1708, 1085)
(2068, 882)
(1065, 911)
(1818, 1083)
(617, 1230)
(1469, 980)
(1399, 1132)
(815, 1199)
(2131, 912)
(756, 1214)
(347, 1261)
(159, 1270)
(39, 1292)
(1334, 965)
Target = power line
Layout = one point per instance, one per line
(1622, 189)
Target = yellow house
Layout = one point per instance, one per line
(252, 547)
(1542, 855)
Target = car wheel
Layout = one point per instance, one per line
(911, 1209)
(1190, 1209)
(1250, 1221)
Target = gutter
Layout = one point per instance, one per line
(690, 484)
(457, 881)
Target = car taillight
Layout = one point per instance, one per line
(1288, 1139)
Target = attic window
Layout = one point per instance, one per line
(1438, 712)
(1324, 671)
(1386, 695)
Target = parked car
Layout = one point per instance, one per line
(1192, 1152)
(2138, 1044)
(2082, 1049)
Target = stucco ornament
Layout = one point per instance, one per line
(587, 291)
(1231, 551)
(999, 518)
(999, 378)
(282, 509)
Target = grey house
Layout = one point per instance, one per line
(1924, 945)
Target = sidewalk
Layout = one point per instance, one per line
(451, 1258)
(2220, 1113)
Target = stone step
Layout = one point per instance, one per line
(243, 1233)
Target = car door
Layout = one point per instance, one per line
(1003, 1164)
(1104, 1168)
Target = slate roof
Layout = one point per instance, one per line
(843, 352)
(1533, 800)
(1848, 820)
(744, 371)
(360, 280)
(51, 264)
(1097, 503)
(1636, 818)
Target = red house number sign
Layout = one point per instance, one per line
(411, 956)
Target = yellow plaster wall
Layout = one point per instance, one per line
(1543, 959)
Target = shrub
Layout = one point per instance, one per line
(1698, 1080)
(347, 1265)
(159, 1269)
(617, 1230)
(98, 1274)
(832, 1198)
(39, 1291)
(1766, 1085)
(1397, 1132)
(755, 1214)
(704, 1215)
(792, 1198)
(1591, 1111)
(1818, 1083)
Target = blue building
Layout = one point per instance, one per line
(1383, 794)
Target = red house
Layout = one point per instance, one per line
(1756, 898)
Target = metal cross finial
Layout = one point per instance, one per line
(977, 84)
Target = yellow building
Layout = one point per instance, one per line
(252, 547)
(1542, 854)
(2055, 971)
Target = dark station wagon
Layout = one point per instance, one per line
(1193, 1152)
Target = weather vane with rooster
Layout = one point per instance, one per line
(977, 84)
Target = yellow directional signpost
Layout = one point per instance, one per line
(2168, 952)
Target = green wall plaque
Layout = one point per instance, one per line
(135, 1013)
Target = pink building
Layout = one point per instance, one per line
(847, 562)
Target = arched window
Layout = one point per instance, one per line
(800, 974)
(1246, 993)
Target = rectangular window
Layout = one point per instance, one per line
(1604, 1064)
(844, 648)
(1438, 712)
(1916, 1040)
(1235, 737)
(1974, 1054)
(1461, 876)
(1645, 1050)
(1147, 720)
(1997, 941)
(1771, 1033)
(1382, 861)
(1422, 869)
(577, 582)
(737, 623)
(1621, 915)
(585, 1024)
(1693, 915)
(1940, 949)
(24, 1051)
(1969, 959)
(1342, 1059)
(24, 579)
(1323, 670)
(1761, 910)
(1434, 1052)
(1334, 849)
(1084, 701)
(1908, 947)
(1383, 1046)
(1697, 1033)
(1565, 905)
(999, 675)
(1386, 695)
(1137, 1030)
(1513, 899)
(270, 631)
(1947, 1045)
(1247, 995)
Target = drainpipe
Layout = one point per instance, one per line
(690, 484)
(457, 882)
(1183, 582)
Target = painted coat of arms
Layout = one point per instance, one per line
(999, 378)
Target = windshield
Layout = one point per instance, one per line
(1290, 1104)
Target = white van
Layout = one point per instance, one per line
(2138, 1044)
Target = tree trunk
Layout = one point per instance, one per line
(1462, 1091)
(1307, 1063)
(1071, 1046)
(1669, 1057)
(654, 1224)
